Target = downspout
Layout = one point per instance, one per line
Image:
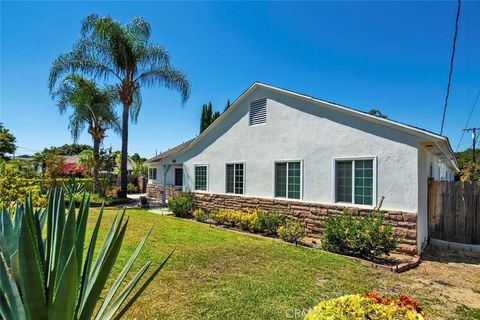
(166, 167)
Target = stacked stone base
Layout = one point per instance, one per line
(313, 214)
(154, 191)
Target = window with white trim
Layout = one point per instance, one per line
(258, 112)
(354, 181)
(152, 173)
(234, 178)
(201, 177)
(288, 179)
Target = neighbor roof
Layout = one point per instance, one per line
(441, 141)
(171, 151)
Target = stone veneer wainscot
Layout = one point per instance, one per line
(313, 214)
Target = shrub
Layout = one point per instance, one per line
(181, 205)
(65, 282)
(131, 188)
(15, 187)
(200, 215)
(362, 307)
(227, 217)
(270, 221)
(292, 231)
(112, 192)
(249, 220)
(143, 202)
(365, 237)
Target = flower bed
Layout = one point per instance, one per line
(370, 306)
(270, 223)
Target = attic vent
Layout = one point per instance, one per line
(258, 112)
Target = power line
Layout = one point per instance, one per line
(452, 58)
(468, 120)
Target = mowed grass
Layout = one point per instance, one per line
(220, 274)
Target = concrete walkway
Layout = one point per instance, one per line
(161, 211)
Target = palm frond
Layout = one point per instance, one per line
(167, 77)
(151, 55)
(138, 29)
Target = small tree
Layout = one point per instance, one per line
(7, 142)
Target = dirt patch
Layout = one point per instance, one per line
(449, 278)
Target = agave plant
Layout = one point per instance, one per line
(50, 278)
(72, 187)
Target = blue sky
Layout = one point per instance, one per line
(391, 56)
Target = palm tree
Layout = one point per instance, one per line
(93, 108)
(108, 50)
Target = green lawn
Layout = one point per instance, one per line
(219, 274)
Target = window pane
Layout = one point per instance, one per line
(294, 180)
(239, 178)
(363, 182)
(178, 176)
(280, 179)
(343, 181)
(201, 178)
(229, 178)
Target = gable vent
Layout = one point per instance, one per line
(258, 112)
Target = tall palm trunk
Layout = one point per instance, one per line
(123, 165)
(96, 164)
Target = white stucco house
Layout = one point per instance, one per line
(278, 148)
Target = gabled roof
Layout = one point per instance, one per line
(441, 141)
(170, 152)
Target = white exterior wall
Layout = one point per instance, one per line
(170, 178)
(422, 215)
(300, 130)
(437, 169)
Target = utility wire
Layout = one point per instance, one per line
(452, 58)
(468, 120)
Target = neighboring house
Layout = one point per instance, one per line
(76, 159)
(275, 148)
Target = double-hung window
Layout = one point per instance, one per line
(152, 173)
(201, 177)
(354, 181)
(234, 178)
(288, 179)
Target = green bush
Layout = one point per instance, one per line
(292, 231)
(15, 187)
(359, 307)
(269, 222)
(200, 215)
(181, 205)
(365, 237)
(131, 188)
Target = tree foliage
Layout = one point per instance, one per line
(7, 141)
(16, 183)
(92, 108)
(208, 116)
(469, 171)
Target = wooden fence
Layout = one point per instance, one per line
(454, 211)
